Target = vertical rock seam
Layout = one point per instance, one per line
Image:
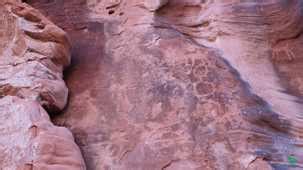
(33, 54)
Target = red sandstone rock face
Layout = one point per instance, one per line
(33, 53)
(183, 84)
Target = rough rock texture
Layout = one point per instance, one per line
(184, 84)
(33, 53)
(30, 141)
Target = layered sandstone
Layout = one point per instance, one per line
(33, 54)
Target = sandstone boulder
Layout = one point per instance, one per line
(33, 54)
(29, 140)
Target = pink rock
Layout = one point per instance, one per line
(29, 140)
(33, 53)
(183, 84)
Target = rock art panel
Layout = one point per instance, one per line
(183, 84)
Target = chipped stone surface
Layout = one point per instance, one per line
(187, 85)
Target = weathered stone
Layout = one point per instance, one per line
(29, 140)
(154, 5)
(183, 84)
(33, 54)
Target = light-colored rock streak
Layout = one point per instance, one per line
(245, 33)
(252, 58)
(257, 70)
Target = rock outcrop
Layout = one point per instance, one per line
(33, 54)
(169, 84)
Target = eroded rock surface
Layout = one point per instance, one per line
(30, 141)
(33, 54)
(184, 84)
